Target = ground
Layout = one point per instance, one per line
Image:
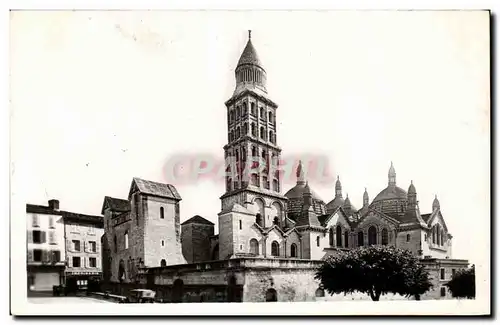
(49, 299)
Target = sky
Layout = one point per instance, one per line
(98, 98)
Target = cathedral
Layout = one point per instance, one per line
(269, 243)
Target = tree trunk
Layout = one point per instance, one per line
(375, 295)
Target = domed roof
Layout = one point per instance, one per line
(338, 201)
(249, 55)
(391, 193)
(297, 192)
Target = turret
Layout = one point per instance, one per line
(392, 175)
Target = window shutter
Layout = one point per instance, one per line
(54, 237)
(29, 236)
(97, 247)
(30, 255)
(43, 237)
(44, 256)
(68, 246)
(35, 220)
(70, 261)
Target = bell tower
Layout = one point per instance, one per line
(252, 142)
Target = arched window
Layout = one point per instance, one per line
(276, 186)
(254, 246)
(372, 236)
(258, 220)
(262, 133)
(254, 151)
(408, 237)
(346, 239)
(434, 234)
(338, 233)
(245, 109)
(162, 213)
(252, 108)
(245, 129)
(275, 248)
(276, 221)
(271, 136)
(237, 155)
(270, 117)
(238, 132)
(330, 234)
(271, 295)
(115, 244)
(238, 112)
(293, 250)
(442, 237)
(255, 179)
(228, 183)
(126, 239)
(121, 271)
(317, 241)
(163, 263)
(262, 114)
(385, 237)
(361, 239)
(254, 129)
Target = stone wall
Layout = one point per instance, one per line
(162, 235)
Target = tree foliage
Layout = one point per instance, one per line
(463, 284)
(374, 270)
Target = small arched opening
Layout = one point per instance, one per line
(254, 246)
(177, 290)
(293, 250)
(121, 271)
(339, 236)
(275, 248)
(361, 239)
(372, 236)
(320, 292)
(163, 263)
(271, 295)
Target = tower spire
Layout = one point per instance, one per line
(392, 175)
(366, 199)
(300, 174)
(338, 188)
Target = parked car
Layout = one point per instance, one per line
(141, 296)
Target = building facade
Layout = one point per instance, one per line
(46, 254)
(62, 246)
(269, 243)
(83, 248)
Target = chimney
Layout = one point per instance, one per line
(54, 204)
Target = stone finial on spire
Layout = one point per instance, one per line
(435, 204)
(338, 187)
(249, 34)
(307, 195)
(366, 199)
(392, 175)
(301, 178)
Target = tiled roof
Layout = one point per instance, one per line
(117, 205)
(157, 189)
(197, 219)
(73, 216)
(249, 55)
(426, 216)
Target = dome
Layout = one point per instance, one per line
(391, 193)
(411, 189)
(338, 201)
(297, 192)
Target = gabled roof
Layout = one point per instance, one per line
(269, 229)
(117, 205)
(379, 214)
(426, 216)
(437, 213)
(154, 188)
(198, 219)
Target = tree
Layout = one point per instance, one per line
(463, 284)
(374, 270)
